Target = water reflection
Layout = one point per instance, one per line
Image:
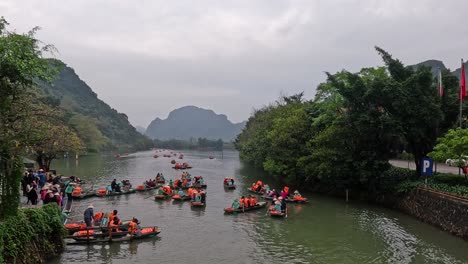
(325, 230)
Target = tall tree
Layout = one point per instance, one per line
(21, 63)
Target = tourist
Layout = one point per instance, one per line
(235, 204)
(69, 190)
(277, 206)
(283, 204)
(32, 195)
(133, 227)
(88, 216)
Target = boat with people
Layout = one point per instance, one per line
(91, 236)
(145, 188)
(197, 204)
(178, 197)
(244, 209)
(105, 192)
(228, 183)
(78, 193)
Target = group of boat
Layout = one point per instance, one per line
(187, 188)
(278, 206)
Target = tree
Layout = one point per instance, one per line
(453, 145)
(56, 139)
(21, 64)
(416, 106)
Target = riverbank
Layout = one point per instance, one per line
(32, 236)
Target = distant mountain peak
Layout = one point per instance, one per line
(193, 122)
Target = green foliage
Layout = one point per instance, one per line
(356, 123)
(87, 130)
(453, 145)
(96, 123)
(32, 235)
(407, 186)
(21, 64)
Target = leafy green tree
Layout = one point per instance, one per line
(453, 145)
(21, 63)
(416, 106)
(55, 140)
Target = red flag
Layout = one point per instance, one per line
(439, 84)
(462, 94)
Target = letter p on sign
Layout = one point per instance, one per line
(426, 166)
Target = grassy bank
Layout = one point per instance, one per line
(32, 236)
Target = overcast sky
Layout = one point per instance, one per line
(147, 57)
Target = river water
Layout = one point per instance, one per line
(326, 230)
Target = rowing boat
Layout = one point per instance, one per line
(288, 199)
(245, 209)
(116, 236)
(182, 168)
(197, 204)
(229, 187)
(100, 194)
(180, 198)
(162, 196)
(84, 195)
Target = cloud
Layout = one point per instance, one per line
(148, 57)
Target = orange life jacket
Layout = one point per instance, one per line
(76, 191)
(246, 202)
(241, 202)
(98, 216)
(84, 232)
(286, 189)
(132, 227)
(111, 217)
(253, 201)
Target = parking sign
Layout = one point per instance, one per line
(426, 166)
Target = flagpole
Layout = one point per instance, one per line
(461, 94)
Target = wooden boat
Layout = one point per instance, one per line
(182, 168)
(227, 186)
(197, 204)
(259, 193)
(75, 227)
(145, 188)
(200, 186)
(276, 214)
(288, 199)
(273, 213)
(162, 196)
(161, 181)
(146, 232)
(100, 194)
(246, 209)
(180, 198)
(83, 195)
(155, 156)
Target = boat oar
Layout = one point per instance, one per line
(286, 216)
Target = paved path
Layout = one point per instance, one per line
(441, 167)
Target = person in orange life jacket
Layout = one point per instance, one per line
(242, 201)
(247, 201)
(253, 201)
(114, 225)
(112, 216)
(133, 227)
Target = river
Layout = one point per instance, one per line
(326, 230)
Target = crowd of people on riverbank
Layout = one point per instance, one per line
(47, 187)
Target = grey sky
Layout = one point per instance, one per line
(146, 57)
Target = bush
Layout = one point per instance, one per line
(32, 235)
